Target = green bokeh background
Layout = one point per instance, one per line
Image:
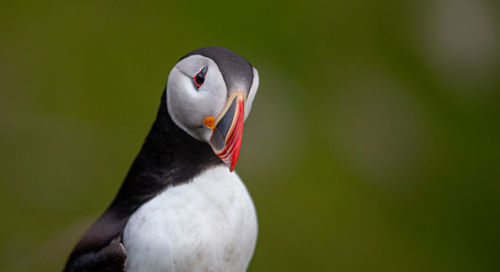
(373, 143)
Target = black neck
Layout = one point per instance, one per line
(168, 157)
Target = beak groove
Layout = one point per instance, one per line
(228, 130)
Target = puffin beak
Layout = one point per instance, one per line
(228, 129)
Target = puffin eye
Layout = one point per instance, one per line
(199, 78)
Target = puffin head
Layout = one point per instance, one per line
(209, 95)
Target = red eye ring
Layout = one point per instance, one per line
(199, 78)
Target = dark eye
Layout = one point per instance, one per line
(199, 78)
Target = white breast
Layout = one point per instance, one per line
(208, 224)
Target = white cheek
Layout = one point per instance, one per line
(184, 101)
(188, 106)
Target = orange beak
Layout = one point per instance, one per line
(228, 129)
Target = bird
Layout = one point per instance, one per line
(181, 206)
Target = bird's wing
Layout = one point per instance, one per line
(109, 259)
(100, 249)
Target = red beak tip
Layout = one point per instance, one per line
(231, 166)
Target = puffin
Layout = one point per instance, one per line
(181, 207)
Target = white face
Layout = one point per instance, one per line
(188, 106)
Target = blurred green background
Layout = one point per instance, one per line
(373, 144)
